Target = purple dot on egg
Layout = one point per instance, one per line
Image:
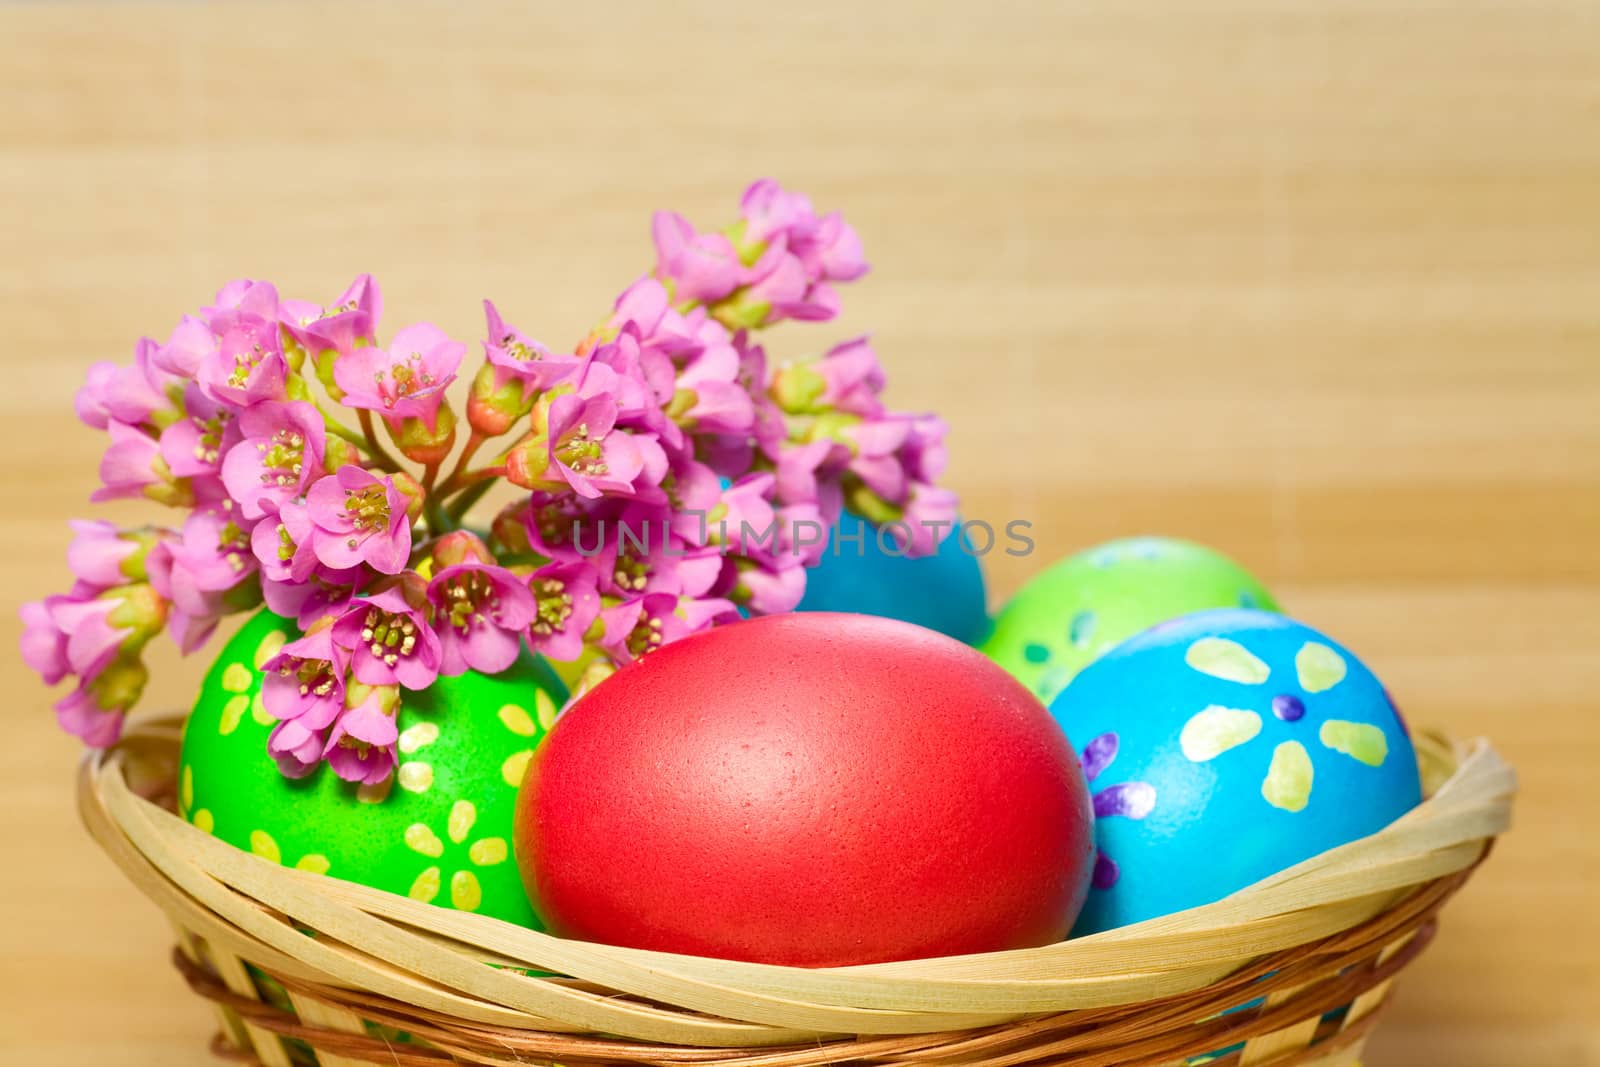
(1288, 707)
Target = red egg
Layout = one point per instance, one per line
(813, 790)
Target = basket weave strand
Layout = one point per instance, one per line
(1317, 946)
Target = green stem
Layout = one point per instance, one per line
(469, 496)
(379, 454)
(339, 429)
(452, 481)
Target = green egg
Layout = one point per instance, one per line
(438, 831)
(1066, 617)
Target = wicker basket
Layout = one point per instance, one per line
(308, 969)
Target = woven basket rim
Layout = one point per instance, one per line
(390, 949)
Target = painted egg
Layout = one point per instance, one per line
(811, 790)
(1223, 747)
(857, 574)
(1088, 603)
(438, 830)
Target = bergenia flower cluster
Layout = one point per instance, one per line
(674, 477)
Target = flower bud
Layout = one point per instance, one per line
(420, 443)
(337, 453)
(119, 685)
(796, 388)
(460, 546)
(493, 407)
(527, 464)
(140, 610)
(412, 490)
(869, 505)
(509, 530)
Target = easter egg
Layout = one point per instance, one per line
(812, 790)
(863, 573)
(439, 830)
(1088, 603)
(1223, 747)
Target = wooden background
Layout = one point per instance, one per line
(1316, 283)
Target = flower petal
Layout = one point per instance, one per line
(1358, 740)
(1288, 781)
(1319, 667)
(1228, 660)
(1215, 730)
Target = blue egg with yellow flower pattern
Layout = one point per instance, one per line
(1222, 747)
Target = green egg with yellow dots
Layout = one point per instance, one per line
(439, 830)
(1072, 613)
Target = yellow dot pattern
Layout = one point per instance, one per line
(465, 892)
(262, 844)
(488, 852)
(517, 720)
(426, 886)
(423, 840)
(270, 646)
(316, 863)
(462, 815)
(415, 776)
(545, 707)
(186, 792)
(203, 820)
(421, 735)
(237, 678)
(259, 712)
(515, 768)
(232, 712)
(376, 793)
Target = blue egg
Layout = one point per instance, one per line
(1223, 747)
(942, 592)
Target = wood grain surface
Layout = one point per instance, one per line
(1316, 283)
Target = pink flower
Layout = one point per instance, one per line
(362, 746)
(44, 642)
(875, 444)
(930, 515)
(278, 457)
(405, 380)
(353, 318)
(82, 713)
(296, 747)
(390, 641)
(248, 366)
(320, 594)
(642, 555)
(714, 400)
(358, 517)
(191, 344)
(565, 606)
(768, 211)
(923, 453)
(516, 356)
(847, 378)
(581, 448)
(130, 394)
(100, 556)
(132, 466)
(242, 301)
(481, 612)
(701, 267)
(305, 681)
(768, 586)
(193, 446)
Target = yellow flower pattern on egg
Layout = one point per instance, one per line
(438, 830)
(1290, 774)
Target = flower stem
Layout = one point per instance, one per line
(379, 454)
(469, 495)
(339, 429)
(452, 481)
